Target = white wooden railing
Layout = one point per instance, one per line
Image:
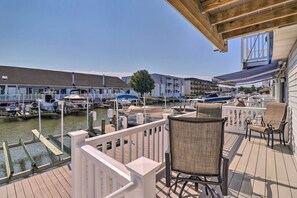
(119, 164)
(236, 117)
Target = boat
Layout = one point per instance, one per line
(211, 97)
(214, 97)
(48, 103)
(132, 107)
(12, 109)
(78, 100)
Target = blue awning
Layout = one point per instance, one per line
(253, 75)
(126, 96)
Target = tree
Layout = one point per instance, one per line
(142, 82)
(253, 88)
(241, 88)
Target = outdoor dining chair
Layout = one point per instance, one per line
(209, 110)
(196, 150)
(273, 122)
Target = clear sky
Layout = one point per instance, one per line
(118, 36)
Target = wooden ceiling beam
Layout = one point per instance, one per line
(190, 9)
(210, 5)
(255, 19)
(245, 9)
(267, 26)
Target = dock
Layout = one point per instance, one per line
(54, 183)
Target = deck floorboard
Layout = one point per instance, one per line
(3, 192)
(27, 188)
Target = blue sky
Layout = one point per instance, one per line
(108, 36)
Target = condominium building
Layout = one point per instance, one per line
(19, 80)
(165, 85)
(196, 87)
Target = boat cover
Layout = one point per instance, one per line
(126, 96)
(252, 75)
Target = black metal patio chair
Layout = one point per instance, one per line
(273, 122)
(196, 150)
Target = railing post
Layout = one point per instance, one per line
(143, 170)
(166, 133)
(77, 138)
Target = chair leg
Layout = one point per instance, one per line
(182, 189)
(250, 135)
(268, 138)
(261, 135)
(246, 131)
(224, 185)
(280, 138)
(283, 133)
(167, 170)
(272, 139)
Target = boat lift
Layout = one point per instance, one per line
(126, 96)
(54, 152)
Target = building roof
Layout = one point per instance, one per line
(165, 75)
(50, 78)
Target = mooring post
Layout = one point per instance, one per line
(103, 126)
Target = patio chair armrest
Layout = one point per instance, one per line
(249, 120)
(282, 124)
(224, 185)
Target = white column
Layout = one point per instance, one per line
(77, 138)
(143, 170)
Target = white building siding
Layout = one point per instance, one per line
(292, 95)
(165, 85)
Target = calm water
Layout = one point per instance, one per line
(12, 129)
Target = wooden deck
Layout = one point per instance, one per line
(54, 183)
(255, 171)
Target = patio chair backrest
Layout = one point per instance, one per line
(209, 110)
(196, 144)
(275, 111)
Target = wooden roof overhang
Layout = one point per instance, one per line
(221, 20)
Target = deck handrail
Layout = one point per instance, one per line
(93, 170)
(123, 133)
(124, 190)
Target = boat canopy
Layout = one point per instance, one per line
(126, 96)
(252, 75)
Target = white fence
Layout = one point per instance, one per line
(123, 163)
(236, 117)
